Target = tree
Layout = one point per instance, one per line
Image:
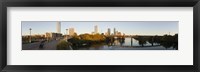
(167, 41)
(157, 39)
(141, 40)
(63, 45)
(151, 40)
(175, 43)
(86, 40)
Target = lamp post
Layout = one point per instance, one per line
(30, 35)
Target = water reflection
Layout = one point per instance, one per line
(127, 43)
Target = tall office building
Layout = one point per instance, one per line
(114, 31)
(71, 31)
(109, 32)
(95, 29)
(66, 31)
(58, 27)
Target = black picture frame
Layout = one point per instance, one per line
(99, 3)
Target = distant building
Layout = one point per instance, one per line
(66, 31)
(93, 33)
(53, 36)
(123, 34)
(95, 29)
(106, 33)
(58, 27)
(114, 31)
(71, 31)
(109, 32)
(118, 34)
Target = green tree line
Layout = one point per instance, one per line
(167, 40)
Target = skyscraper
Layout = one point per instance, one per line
(66, 31)
(95, 29)
(71, 31)
(58, 27)
(108, 31)
(114, 31)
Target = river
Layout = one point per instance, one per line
(126, 45)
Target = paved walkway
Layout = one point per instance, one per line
(35, 46)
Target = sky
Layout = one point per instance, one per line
(81, 27)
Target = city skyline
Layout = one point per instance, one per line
(128, 28)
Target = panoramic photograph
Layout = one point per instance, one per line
(99, 35)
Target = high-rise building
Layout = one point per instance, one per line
(71, 31)
(95, 29)
(66, 31)
(114, 31)
(58, 27)
(109, 32)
